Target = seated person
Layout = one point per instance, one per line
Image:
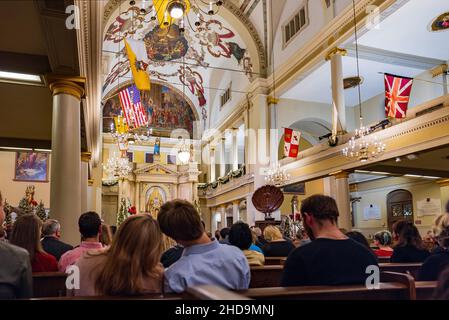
(331, 258)
(439, 259)
(26, 234)
(51, 230)
(276, 245)
(409, 247)
(383, 241)
(204, 261)
(15, 276)
(129, 266)
(172, 253)
(224, 236)
(89, 224)
(254, 246)
(358, 237)
(260, 239)
(240, 236)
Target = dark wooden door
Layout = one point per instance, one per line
(399, 207)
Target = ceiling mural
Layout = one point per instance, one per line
(165, 108)
(183, 59)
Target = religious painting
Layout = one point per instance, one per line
(165, 44)
(130, 156)
(154, 200)
(149, 158)
(31, 166)
(441, 23)
(297, 188)
(165, 109)
(171, 159)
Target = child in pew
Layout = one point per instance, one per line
(240, 236)
(331, 258)
(409, 247)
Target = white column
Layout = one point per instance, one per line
(274, 132)
(222, 211)
(235, 211)
(222, 157)
(338, 91)
(212, 164)
(85, 158)
(65, 185)
(137, 196)
(444, 193)
(342, 198)
(235, 150)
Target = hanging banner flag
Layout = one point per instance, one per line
(291, 142)
(132, 107)
(120, 125)
(397, 95)
(137, 53)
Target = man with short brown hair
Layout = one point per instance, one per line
(204, 261)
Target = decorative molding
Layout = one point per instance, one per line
(86, 156)
(443, 183)
(272, 100)
(59, 84)
(439, 70)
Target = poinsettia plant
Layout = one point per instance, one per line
(132, 210)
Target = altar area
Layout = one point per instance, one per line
(149, 186)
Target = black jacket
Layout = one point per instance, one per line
(55, 247)
(434, 265)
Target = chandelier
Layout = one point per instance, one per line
(276, 176)
(184, 152)
(117, 168)
(125, 137)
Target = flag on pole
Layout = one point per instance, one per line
(132, 107)
(291, 142)
(120, 125)
(397, 95)
(137, 53)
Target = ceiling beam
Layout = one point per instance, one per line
(406, 170)
(25, 143)
(24, 63)
(395, 58)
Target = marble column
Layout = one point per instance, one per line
(222, 157)
(235, 211)
(235, 150)
(342, 197)
(137, 196)
(212, 164)
(65, 185)
(222, 211)
(338, 92)
(85, 158)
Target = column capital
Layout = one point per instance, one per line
(439, 70)
(336, 51)
(272, 100)
(90, 182)
(340, 174)
(72, 85)
(86, 156)
(443, 182)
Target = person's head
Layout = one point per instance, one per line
(217, 234)
(89, 224)
(272, 233)
(397, 229)
(51, 228)
(410, 236)
(358, 237)
(441, 230)
(319, 212)
(179, 220)
(134, 254)
(26, 234)
(257, 231)
(240, 236)
(383, 239)
(224, 232)
(106, 235)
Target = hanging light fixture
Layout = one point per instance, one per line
(276, 176)
(363, 146)
(117, 167)
(176, 9)
(183, 152)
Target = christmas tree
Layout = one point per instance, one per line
(123, 212)
(40, 211)
(25, 207)
(8, 210)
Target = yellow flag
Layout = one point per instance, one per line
(120, 125)
(163, 15)
(137, 54)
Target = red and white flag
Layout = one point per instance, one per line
(132, 107)
(291, 142)
(397, 95)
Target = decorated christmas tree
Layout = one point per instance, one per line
(40, 211)
(25, 207)
(123, 212)
(7, 208)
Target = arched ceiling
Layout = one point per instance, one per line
(222, 42)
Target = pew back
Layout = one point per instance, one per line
(49, 284)
(410, 268)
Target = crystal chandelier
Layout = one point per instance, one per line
(124, 138)
(184, 152)
(117, 168)
(277, 177)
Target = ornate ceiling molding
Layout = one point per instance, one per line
(112, 5)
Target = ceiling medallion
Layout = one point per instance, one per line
(441, 23)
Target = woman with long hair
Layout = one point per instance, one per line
(130, 266)
(383, 241)
(276, 246)
(410, 247)
(26, 233)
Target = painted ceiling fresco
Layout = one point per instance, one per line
(164, 107)
(184, 60)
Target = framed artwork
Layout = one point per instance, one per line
(149, 158)
(297, 188)
(171, 159)
(31, 166)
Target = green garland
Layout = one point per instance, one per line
(223, 180)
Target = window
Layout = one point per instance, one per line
(295, 24)
(225, 97)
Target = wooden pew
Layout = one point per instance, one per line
(276, 261)
(212, 293)
(155, 296)
(425, 289)
(266, 276)
(49, 284)
(410, 268)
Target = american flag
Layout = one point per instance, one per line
(397, 95)
(132, 107)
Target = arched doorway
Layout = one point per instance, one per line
(399, 207)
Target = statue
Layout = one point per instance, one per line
(154, 203)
